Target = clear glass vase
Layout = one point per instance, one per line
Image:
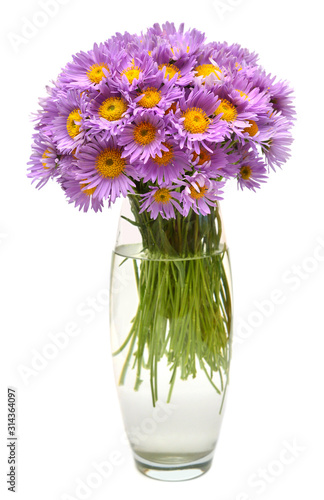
(171, 332)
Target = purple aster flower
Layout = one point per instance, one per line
(277, 148)
(281, 98)
(161, 200)
(68, 167)
(258, 131)
(186, 46)
(252, 170)
(68, 129)
(180, 72)
(156, 98)
(166, 30)
(108, 112)
(45, 116)
(233, 109)
(194, 127)
(148, 44)
(200, 193)
(256, 101)
(77, 192)
(43, 161)
(143, 138)
(280, 93)
(88, 69)
(212, 163)
(103, 167)
(183, 44)
(208, 71)
(167, 166)
(134, 72)
(223, 53)
(123, 43)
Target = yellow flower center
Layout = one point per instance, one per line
(195, 120)
(95, 72)
(88, 192)
(243, 94)
(196, 195)
(238, 66)
(167, 156)
(71, 126)
(44, 156)
(207, 69)
(253, 129)
(204, 156)
(151, 97)
(246, 172)
(113, 108)
(228, 109)
(109, 163)
(144, 133)
(170, 71)
(162, 195)
(132, 73)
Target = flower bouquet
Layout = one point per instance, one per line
(166, 119)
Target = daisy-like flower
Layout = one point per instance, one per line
(121, 43)
(277, 148)
(213, 163)
(217, 67)
(180, 72)
(186, 46)
(255, 100)
(179, 38)
(143, 138)
(200, 193)
(68, 167)
(233, 109)
(68, 130)
(44, 117)
(224, 53)
(281, 98)
(77, 192)
(280, 93)
(167, 166)
(88, 69)
(252, 170)
(134, 72)
(103, 167)
(166, 30)
(156, 98)
(258, 132)
(161, 200)
(43, 161)
(108, 111)
(194, 126)
(207, 70)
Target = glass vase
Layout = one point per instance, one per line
(171, 332)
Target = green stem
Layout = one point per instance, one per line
(184, 301)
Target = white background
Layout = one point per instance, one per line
(53, 258)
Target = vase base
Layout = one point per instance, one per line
(175, 471)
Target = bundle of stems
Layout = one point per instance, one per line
(184, 308)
